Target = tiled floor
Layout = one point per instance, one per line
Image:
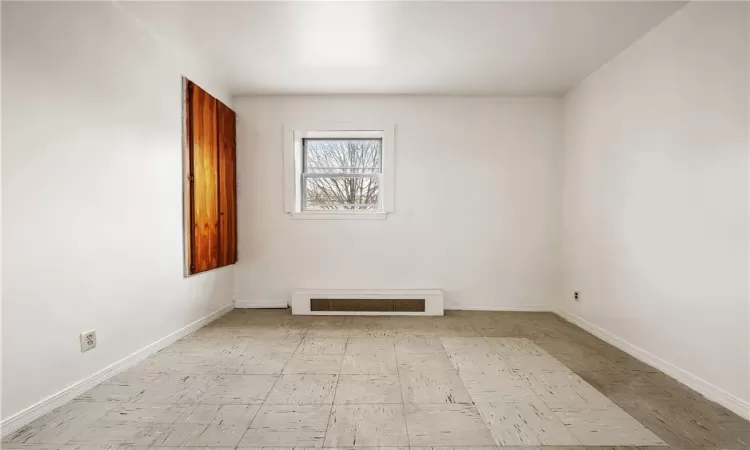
(258, 378)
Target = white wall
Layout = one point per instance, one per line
(656, 199)
(1, 222)
(476, 202)
(92, 195)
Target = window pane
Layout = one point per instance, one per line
(342, 155)
(342, 193)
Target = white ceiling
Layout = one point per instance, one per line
(404, 47)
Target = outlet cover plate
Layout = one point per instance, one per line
(88, 340)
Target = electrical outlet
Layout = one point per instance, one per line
(575, 295)
(88, 340)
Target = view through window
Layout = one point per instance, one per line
(341, 174)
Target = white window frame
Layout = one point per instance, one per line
(293, 159)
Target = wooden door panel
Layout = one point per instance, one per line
(226, 121)
(204, 180)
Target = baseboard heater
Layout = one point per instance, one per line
(363, 302)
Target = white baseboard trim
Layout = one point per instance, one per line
(499, 308)
(261, 304)
(727, 400)
(59, 398)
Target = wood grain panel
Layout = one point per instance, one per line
(203, 179)
(226, 121)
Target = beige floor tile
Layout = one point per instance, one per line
(233, 331)
(452, 328)
(369, 448)
(432, 327)
(489, 388)
(146, 412)
(274, 343)
(373, 425)
(259, 361)
(606, 425)
(589, 394)
(515, 346)
(258, 330)
(484, 370)
(526, 357)
(206, 413)
(368, 389)
(288, 426)
(304, 389)
(524, 424)
(106, 431)
(269, 345)
(523, 363)
(241, 389)
(15, 446)
(89, 447)
(411, 324)
(155, 447)
(328, 327)
(373, 327)
(430, 378)
(322, 346)
(171, 362)
(446, 426)
(427, 360)
(132, 424)
(314, 364)
(277, 448)
(471, 448)
(562, 387)
(121, 388)
(175, 388)
(521, 353)
(479, 361)
(478, 368)
(464, 343)
(227, 347)
(178, 434)
(408, 345)
(376, 362)
(369, 357)
(219, 434)
(367, 344)
(61, 425)
(342, 332)
(210, 425)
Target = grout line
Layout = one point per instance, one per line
(281, 373)
(401, 390)
(338, 377)
(213, 380)
(118, 405)
(333, 402)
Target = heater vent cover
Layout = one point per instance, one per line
(424, 302)
(368, 304)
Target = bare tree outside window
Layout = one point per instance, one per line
(342, 174)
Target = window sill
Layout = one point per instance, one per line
(339, 215)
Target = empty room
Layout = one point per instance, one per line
(444, 225)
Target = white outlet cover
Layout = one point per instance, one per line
(88, 340)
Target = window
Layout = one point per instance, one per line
(341, 174)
